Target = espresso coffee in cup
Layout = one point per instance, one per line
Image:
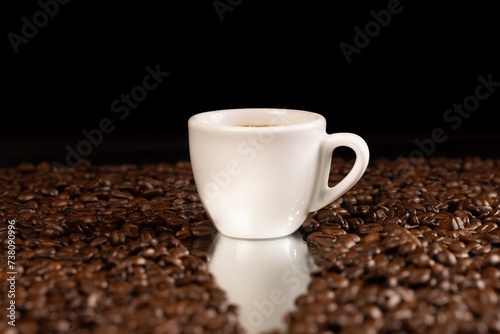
(256, 126)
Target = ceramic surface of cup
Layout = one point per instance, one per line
(259, 172)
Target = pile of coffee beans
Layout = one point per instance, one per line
(109, 249)
(413, 247)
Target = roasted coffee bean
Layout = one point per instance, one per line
(122, 195)
(60, 202)
(201, 231)
(446, 257)
(406, 248)
(456, 223)
(183, 234)
(49, 191)
(152, 192)
(147, 253)
(89, 252)
(118, 237)
(419, 276)
(310, 225)
(420, 259)
(355, 223)
(488, 226)
(88, 197)
(98, 241)
(428, 259)
(348, 240)
(321, 239)
(26, 196)
(44, 251)
(88, 209)
(134, 260)
(392, 241)
(131, 230)
(371, 238)
(440, 255)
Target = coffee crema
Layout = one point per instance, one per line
(256, 125)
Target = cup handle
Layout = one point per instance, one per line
(323, 194)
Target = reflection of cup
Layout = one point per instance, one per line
(259, 172)
(263, 277)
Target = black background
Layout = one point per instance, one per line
(278, 54)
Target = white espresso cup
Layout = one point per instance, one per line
(259, 172)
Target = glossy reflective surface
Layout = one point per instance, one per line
(263, 277)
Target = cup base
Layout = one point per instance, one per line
(256, 236)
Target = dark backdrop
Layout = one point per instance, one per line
(387, 70)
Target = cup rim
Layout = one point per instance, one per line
(206, 119)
